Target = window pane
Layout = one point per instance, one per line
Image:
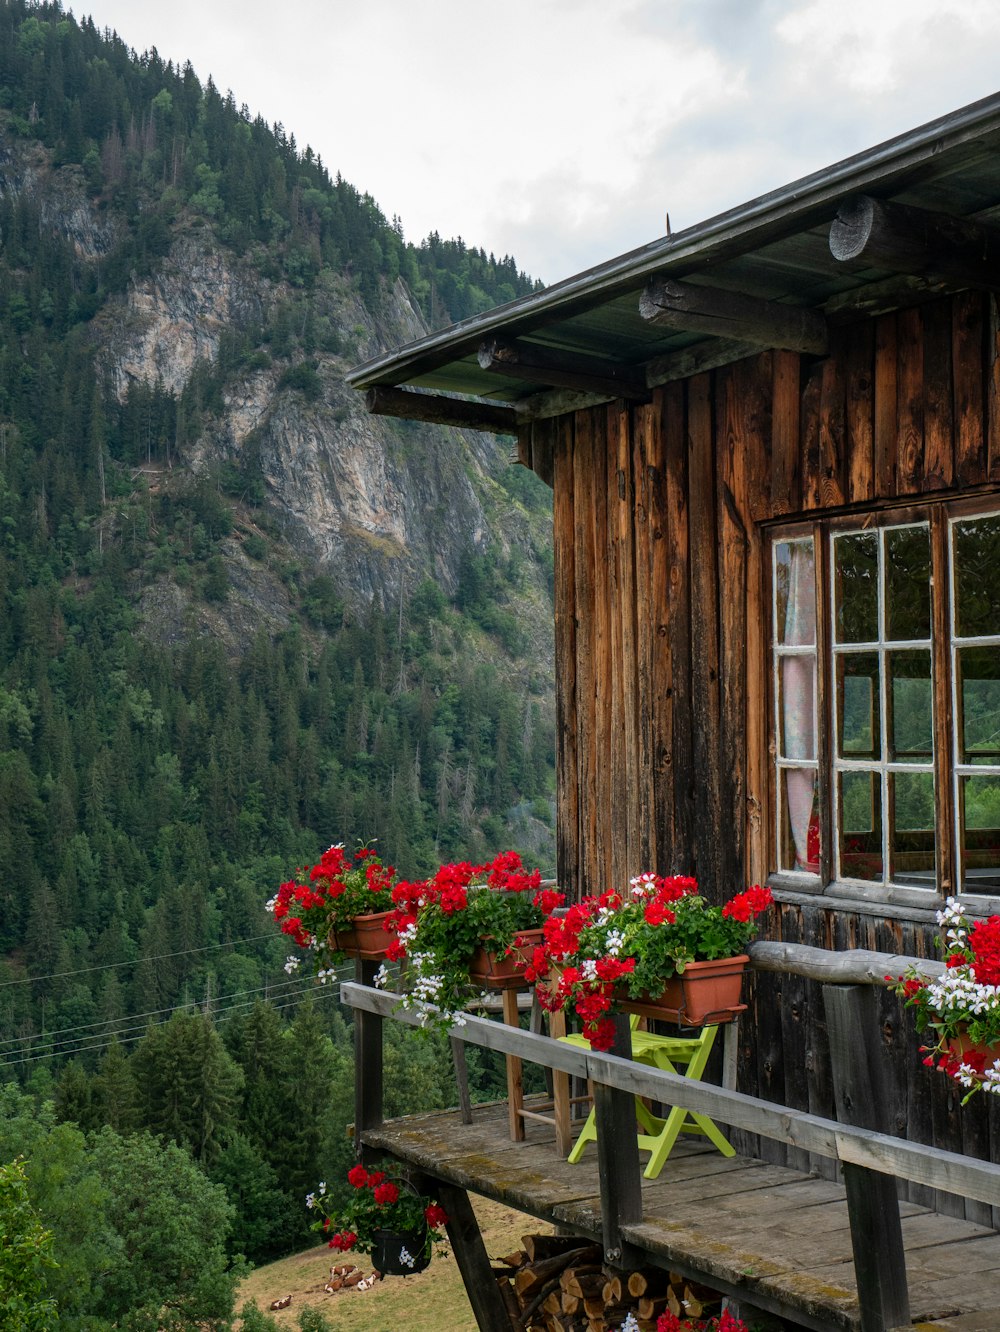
(858, 705)
(861, 825)
(795, 592)
(979, 703)
(798, 840)
(907, 583)
(911, 721)
(977, 586)
(981, 833)
(912, 794)
(796, 708)
(856, 570)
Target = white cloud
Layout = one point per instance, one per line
(562, 130)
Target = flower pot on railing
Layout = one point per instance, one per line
(705, 993)
(367, 937)
(503, 970)
(400, 1254)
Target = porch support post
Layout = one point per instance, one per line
(872, 1204)
(618, 1159)
(368, 1104)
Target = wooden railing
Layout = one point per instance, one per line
(872, 1159)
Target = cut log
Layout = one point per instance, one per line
(701, 1301)
(510, 1303)
(613, 1290)
(692, 308)
(648, 1281)
(651, 1306)
(537, 1247)
(583, 1282)
(516, 1259)
(532, 1278)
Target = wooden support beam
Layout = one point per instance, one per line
(558, 369)
(473, 1261)
(730, 314)
(439, 409)
(872, 1205)
(875, 233)
(618, 1159)
(368, 1076)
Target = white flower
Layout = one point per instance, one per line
(630, 1324)
(615, 942)
(407, 1258)
(292, 965)
(269, 905)
(382, 977)
(310, 1200)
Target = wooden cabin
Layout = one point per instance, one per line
(774, 446)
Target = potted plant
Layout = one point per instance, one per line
(659, 949)
(340, 907)
(386, 1218)
(468, 926)
(959, 1010)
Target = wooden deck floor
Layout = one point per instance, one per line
(769, 1235)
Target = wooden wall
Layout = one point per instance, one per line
(662, 624)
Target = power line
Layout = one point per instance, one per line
(98, 1042)
(155, 957)
(151, 1013)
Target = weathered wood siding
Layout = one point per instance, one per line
(662, 628)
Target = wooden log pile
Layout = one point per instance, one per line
(557, 1283)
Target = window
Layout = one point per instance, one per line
(886, 704)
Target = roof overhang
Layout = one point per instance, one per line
(918, 216)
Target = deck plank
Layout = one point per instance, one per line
(770, 1235)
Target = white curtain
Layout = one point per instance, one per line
(798, 698)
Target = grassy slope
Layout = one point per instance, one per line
(432, 1301)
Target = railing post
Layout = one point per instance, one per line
(618, 1158)
(872, 1204)
(368, 1106)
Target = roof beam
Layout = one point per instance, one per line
(439, 409)
(558, 369)
(730, 314)
(876, 233)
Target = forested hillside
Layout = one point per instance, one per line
(240, 621)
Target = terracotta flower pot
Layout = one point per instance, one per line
(964, 1050)
(704, 994)
(367, 937)
(388, 1249)
(500, 972)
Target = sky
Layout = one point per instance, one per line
(563, 132)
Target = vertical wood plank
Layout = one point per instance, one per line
(634, 860)
(993, 382)
(615, 499)
(586, 632)
(704, 638)
(794, 1042)
(860, 418)
(832, 429)
(812, 495)
(567, 772)
(645, 445)
(605, 829)
(968, 342)
(673, 636)
(737, 409)
(785, 455)
(939, 457)
(886, 409)
(909, 401)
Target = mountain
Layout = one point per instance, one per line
(242, 617)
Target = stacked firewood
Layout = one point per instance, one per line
(557, 1283)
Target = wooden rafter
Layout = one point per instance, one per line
(557, 369)
(439, 409)
(877, 233)
(732, 315)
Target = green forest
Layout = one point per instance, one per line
(155, 1059)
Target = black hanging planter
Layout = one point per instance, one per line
(388, 1247)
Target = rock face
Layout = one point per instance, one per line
(376, 502)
